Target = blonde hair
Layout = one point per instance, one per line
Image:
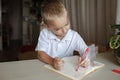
(53, 10)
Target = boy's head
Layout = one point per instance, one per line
(56, 19)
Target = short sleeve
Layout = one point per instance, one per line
(80, 45)
(43, 42)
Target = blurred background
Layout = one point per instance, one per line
(20, 24)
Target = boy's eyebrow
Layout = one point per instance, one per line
(62, 26)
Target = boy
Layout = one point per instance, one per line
(57, 40)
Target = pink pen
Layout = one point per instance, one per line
(83, 57)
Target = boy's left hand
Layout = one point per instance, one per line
(58, 63)
(84, 62)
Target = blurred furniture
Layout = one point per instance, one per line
(27, 52)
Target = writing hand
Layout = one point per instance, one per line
(84, 62)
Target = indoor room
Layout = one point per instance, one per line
(34, 39)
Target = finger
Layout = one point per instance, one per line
(82, 61)
(59, 67)
(87, 63)
(79, 59)
(57, 59)
(61, 62)
(58, 62)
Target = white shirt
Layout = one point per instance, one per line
(55, 47)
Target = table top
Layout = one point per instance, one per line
(35, 70)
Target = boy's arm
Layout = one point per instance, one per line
(45, 58)
(57, 63)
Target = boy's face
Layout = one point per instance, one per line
(59, 26)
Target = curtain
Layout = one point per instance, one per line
(92, 18)
(118, 12)
(118, 15)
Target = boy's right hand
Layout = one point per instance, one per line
(84, 62)
(58, 63)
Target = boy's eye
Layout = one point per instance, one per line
(57, 29)
(61, 27)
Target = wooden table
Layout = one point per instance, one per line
(35, 70)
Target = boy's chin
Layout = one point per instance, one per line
(60, 36)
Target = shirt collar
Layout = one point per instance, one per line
(68, 36)
(51, 35)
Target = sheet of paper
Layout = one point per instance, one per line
(69, 69)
